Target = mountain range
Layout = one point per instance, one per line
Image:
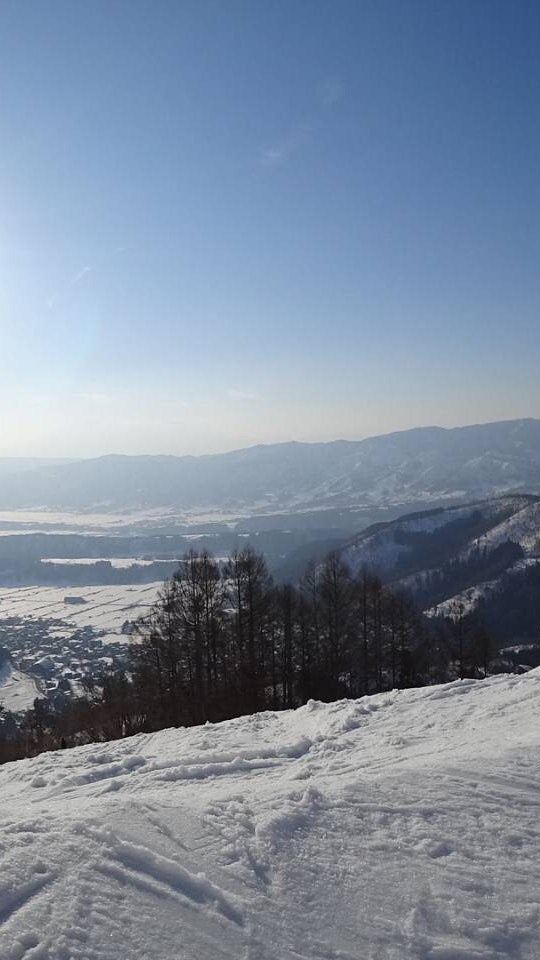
(413, 467)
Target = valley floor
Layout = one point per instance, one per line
(404, 825)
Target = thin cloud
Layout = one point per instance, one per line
(237, 394)
(273, 156)
(80, 275)
(279, 152)
(331, 92)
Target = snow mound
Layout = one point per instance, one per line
(404, 825)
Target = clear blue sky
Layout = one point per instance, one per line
(230, 222)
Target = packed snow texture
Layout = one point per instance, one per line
(404, 825)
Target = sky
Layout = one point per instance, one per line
(227, 222)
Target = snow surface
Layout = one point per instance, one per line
(467, 600)
(404, 825)
(87, 522)
(119, 563)
(105, 607)
(17, 689)
(522, 527)
(381, 551)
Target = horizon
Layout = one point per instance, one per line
(279, 443)
(225, 225)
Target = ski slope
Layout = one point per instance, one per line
(404, 825)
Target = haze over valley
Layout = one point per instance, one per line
(411, 467)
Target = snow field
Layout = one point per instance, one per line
(118, 563)
(404, 825)
(106, 607)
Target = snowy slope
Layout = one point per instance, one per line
(379, 547)
(17, 690)
(383, 545)
(466, 600)
(397, 552)
(404, 825)
(521, 527)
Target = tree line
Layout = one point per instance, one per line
(224, 640)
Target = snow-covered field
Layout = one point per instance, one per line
(54, 521)
(119, 563)
(105, 608)
(400, 826)
(127, 521)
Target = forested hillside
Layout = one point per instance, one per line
(479, 557)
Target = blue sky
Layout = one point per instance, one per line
(224, 223)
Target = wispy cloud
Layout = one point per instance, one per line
(80, 275)
(84, 272)
(329, 93)
(237, 394)
(279, 152)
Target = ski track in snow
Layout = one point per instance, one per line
(403, 826)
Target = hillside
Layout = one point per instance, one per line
(454, 557)
(426, 465)
(398, 827)
(17, 690)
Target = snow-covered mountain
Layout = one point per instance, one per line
(402, 826)
(406, 544)
(416, 466)
(453, 557)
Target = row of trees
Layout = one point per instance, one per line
(224, 640)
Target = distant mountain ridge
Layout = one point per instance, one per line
(22, 464)
(419, 466)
